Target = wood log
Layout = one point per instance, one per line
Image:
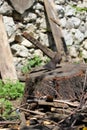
(56, 29)
(7, 68)
(65, 82)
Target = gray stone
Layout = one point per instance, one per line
(85, 44)
(78, 60)
(19, 63)
(76, 21)
(17, 60)
(21, 26)
(30, 28)
(38, 6)
(38, 12)
(23, 54)
(85, 2)
(1, 2)
(85, 36)
(38, 53)
(10, 25)
(43, 25)
(69, 11)
(30, 17)
(69, 24)
(84, 54)
(81, 15)
(82, 28)
(68, 37)
(32, 50)
(72, 2)
(82, 5)
(60, 11)
(63, 22)
(39, 21)
(44, 39)
(73, 30)
(12, 38)
(85, 24)
(60, 1)
(73, 52)
(26, 43)
(85, 29)
(79, 36)
(5, 9)
(20, 50)
(86, 19)
(22, 5)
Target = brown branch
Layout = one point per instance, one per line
(33, 112)
(9, 122)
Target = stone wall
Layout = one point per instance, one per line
(73, 19)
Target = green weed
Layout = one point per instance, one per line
(11, 90)
(5, 109)
(35, 61)
(80, 9)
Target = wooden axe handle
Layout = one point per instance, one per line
(43, 48)
(55, 57)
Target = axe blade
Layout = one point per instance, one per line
(51, 65)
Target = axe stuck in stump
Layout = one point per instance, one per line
(54, 56)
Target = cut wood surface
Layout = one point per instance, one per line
(7, 68)
(56, 30)
(65, 82)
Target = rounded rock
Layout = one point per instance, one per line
(60, 1)
(85, 44)
(79, 36)
(73, 52)
(84, 54)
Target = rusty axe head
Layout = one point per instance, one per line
(53, 62)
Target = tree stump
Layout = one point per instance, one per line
(65, 82)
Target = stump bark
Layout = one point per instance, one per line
(65, 82)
